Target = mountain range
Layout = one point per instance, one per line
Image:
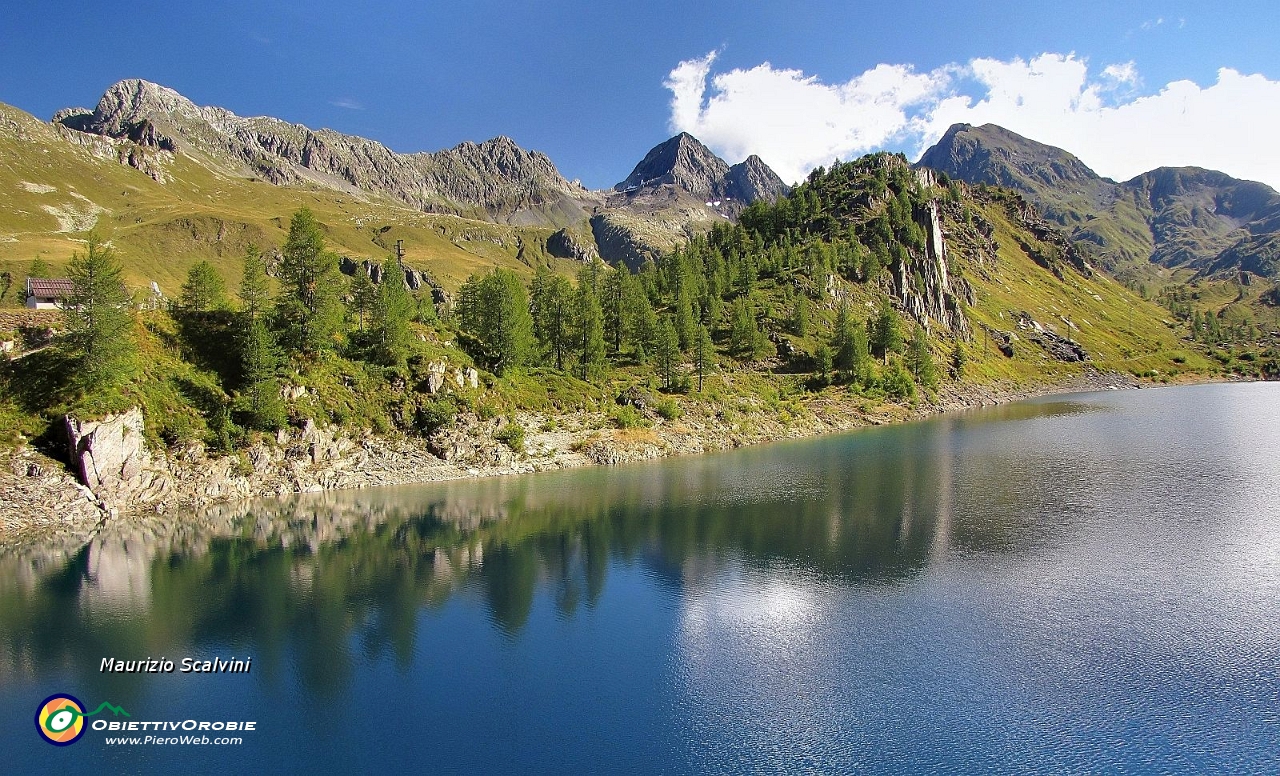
(1200, 223)
(165, 177)
(679, 188)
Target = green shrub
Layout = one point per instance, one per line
(435, 414)
(669, 409)
(512, 435)
(627, 416)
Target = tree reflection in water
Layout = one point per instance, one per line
(299, 578)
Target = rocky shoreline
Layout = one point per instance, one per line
(40, 499)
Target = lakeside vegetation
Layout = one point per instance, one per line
(792, 303)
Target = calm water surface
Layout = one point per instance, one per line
(1087, 583)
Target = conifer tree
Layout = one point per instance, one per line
(959, 359)
(800, 315)
(363, 295)
(667, 352)
(642, 321)
(204, 289)
(589, 333)
(259, 354)
(704, 351)
(823, 363)
(886, 334)
(684, 322)
(612, 295)
(552, 299)
(920, 360)
(494, 309)
(99, 317)
(308, 307)
(392, 310)
(745, 337)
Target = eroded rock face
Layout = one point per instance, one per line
(928, 292)
(497, 175)
(108, 454)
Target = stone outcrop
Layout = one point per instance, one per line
(108, 455)
(563, 244)
(924, 285)
(415, 279)
(1057, 346)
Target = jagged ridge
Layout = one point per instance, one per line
(496, 177)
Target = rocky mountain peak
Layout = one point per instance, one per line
(752, 179)
(682, 161)
(993, 154)
(688, 165)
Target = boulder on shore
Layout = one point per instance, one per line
(109, 452)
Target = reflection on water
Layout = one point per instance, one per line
(367, 561)
(869, 508)
(765, 595)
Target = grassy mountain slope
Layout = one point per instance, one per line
(1171, 231)
(59, 188)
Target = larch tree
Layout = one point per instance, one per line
(99, 317)
(589, 333)
(308, 308)
(204, 289)
(392, 310)
(259, 353)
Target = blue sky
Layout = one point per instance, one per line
(584, 81)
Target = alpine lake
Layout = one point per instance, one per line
(1079, 583)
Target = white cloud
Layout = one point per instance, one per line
(347, 104)
(796, 122)
(1126, 73)
(793, 121)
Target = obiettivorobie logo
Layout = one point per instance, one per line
(60, 718)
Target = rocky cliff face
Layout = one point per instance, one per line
(924, 286)
(494, 179)
(752, 179)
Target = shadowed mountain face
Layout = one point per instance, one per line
(1183, 217)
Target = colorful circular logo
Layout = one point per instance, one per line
(60, 719)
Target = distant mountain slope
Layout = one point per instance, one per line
(172, 183)
(1185, 217)
(494, 179)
